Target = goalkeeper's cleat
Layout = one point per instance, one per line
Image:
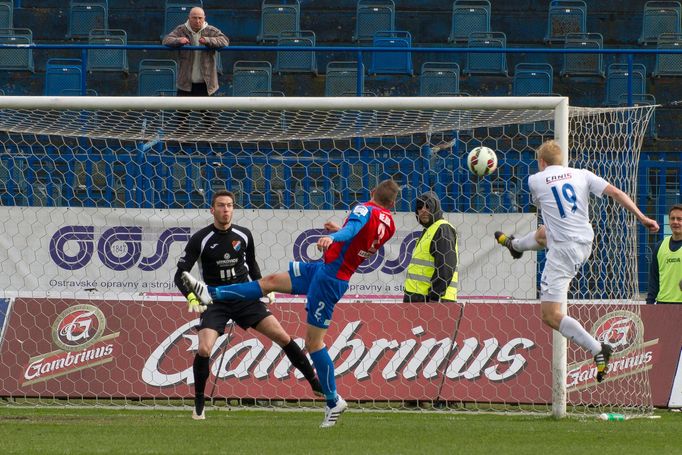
(602, 361)
(316, 386)
(331, 415)
(506, 241)
(197, 287)
(198, 411)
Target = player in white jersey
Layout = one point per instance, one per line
(563, 194)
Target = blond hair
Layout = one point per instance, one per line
(550, 152)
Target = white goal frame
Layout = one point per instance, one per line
(558, 105)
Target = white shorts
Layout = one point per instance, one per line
(561, 266)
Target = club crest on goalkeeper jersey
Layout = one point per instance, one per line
(365, 230)
(563, 195)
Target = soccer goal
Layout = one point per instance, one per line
(100, 194)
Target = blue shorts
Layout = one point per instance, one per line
(323, 291)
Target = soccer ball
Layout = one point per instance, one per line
(482, 161)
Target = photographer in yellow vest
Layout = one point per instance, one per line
(432, 271)
(665, 274)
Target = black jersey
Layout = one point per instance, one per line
(225, 257)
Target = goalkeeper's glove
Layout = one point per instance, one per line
(194, 305)
(268, 298)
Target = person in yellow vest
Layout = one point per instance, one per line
(665, 274)
(432, 271)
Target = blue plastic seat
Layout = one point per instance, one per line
(63, 77)
(85, 16)
(342, 79)
(6, 15)
(660, 17)
(532, 79)
(294, 61)
(108, 59)
(668, 64)
(583, 64)
(20, 58)
(565, 16)
(486, 63)
(617, 82)
(392, 62)
(438, 78)
(373, 16)
(251, 77)
(157, 78)
(278, 17)
(469, 16)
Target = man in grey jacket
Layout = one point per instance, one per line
(197, 72)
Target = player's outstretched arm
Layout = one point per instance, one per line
(332, 226)
(624, 200)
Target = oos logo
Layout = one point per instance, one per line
(119, 247)
(377, 261)
(622, 330)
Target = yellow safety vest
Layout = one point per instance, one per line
(421, 267)
(669, 273)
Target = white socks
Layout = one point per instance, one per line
(526, 243)
(571, 329)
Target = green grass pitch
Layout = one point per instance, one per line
(131, 431)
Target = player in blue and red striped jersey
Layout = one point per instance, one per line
(366, 229)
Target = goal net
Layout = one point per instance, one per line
(99, 196)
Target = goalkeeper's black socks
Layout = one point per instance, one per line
(200, 368)
(300, 361)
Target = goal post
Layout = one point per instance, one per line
(100, 194)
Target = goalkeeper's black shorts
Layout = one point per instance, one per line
(245, 314)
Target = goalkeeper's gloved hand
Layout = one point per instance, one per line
(194, 305)
(268, 298)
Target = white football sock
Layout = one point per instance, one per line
(571, 329)
(526, 243)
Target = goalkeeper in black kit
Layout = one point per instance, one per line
(226, 255)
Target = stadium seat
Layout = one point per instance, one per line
(85, 16)
(108, 59)
(63, 77)
(668, 64)
(438, 78)
(659, 17)
(532, 78)
(373, 16)
(277, 17)
(583, 64)
(157, 78)
(16, 59)
(176, 13)
(294, 61)
(469, 16)
(391, 62)
(565, 16)
(251, 77)
(313, 198)
(342, 79)
(617, 82)
(6, 15)
(644, 99)
(486, 63)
